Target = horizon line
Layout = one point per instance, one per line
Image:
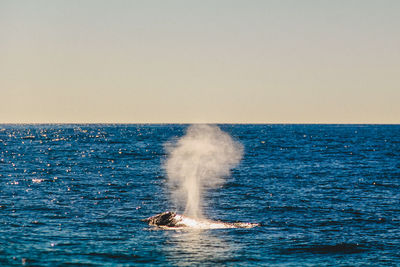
(188, 123)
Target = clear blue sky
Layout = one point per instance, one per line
(200, 61)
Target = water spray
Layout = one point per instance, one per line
(198, 161)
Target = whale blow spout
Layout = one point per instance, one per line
(199, 161)
(172, 220)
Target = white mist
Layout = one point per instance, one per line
(198, 161)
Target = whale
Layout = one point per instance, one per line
(172, 220)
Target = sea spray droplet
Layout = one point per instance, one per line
(198, 161)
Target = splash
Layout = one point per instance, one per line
(198, 161)
(172, 220)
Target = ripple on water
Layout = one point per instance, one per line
(76, 194)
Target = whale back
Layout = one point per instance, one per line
(172, 220)
(163, 219)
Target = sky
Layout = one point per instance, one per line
(208, 61)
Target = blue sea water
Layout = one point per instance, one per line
(326, 195)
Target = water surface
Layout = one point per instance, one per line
(326, 195)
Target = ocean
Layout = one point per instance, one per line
(325, 195)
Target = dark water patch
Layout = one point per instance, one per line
(78, 264)
(119, 256)
(341, 248)
(56, 216)
(353, 211)
(232, 184)
(99, 224)
(389, 185)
